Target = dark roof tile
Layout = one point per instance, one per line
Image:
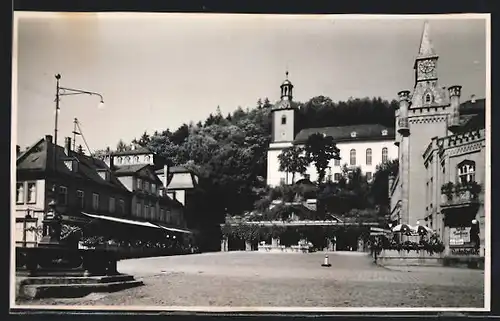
(343, 133)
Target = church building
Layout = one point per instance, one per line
(442, 163)
(364, 146)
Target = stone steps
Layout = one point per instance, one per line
(45, 280)
(72, 290)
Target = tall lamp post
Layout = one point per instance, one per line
(53, 218)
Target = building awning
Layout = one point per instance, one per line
(122, 220)
(172, 229)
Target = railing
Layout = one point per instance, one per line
(458, 197)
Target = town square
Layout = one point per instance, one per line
(232, 167)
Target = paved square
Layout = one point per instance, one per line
(287, 280)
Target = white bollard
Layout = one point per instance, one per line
(326, 262)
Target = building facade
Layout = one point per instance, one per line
(121, 187)
(364, 146)
(442, 162)
(82, 184)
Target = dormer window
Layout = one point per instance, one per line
(71, 164)
(428, 98)
(353, 134)
(104, 175)
(384, 132)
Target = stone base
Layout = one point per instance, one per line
(71, 287)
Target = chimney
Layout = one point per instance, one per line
(18, 150)
(473, 98)
(67, 145)
(48, 138)
(165, 177)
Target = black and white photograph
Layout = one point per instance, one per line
(250, 162)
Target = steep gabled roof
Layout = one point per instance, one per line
(37, 159)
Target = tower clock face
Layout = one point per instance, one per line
(427, 66)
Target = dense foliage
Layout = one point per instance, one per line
(229, 153)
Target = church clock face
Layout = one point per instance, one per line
(427, 66)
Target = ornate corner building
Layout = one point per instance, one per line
(442, 164)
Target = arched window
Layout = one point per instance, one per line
(352, 155)
(136, 159)
(384, 155)
(466, 172)
(368, 156)
(428, 98)
(283, 120)
(127, 159)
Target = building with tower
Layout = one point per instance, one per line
(364, 146)
(442, 145)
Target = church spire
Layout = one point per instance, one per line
(426, 47)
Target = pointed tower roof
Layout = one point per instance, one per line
(426, 49)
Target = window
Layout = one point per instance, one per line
(353, 134)
(283, 120)
(139, 183)
(111, 204)
(138, 209)
(147, 159)
(368, 156)
(337, 177)
(80, 196)
(62, 196)
(282, 180)
(95, 201)
(153, 213)
(162, 214)
(353, 157)
(136, 159)
(146, 211)
(121, 206)
(20, 193)
(337, 162)
(169, 216)
(120, 160)
(428, 98)
(127, 159)
(31, 192)
(369, 176)
(153, 188)
(466, 172)
(384, 132)
(146, 186)
(384, 155)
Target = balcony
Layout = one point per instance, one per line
(459, 195)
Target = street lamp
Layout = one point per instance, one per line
(64, 91)
(52, 218)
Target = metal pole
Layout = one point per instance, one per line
(75, 122)
(58, 76)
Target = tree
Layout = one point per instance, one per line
(320, 150)
(292, 160)
(121, 146)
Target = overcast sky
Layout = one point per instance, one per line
(157, 71)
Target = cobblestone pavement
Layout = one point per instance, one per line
(289, 279)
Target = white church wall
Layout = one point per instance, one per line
(274, 176)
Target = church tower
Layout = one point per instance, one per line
(283, 133)
(283, 114)
(425, 113)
